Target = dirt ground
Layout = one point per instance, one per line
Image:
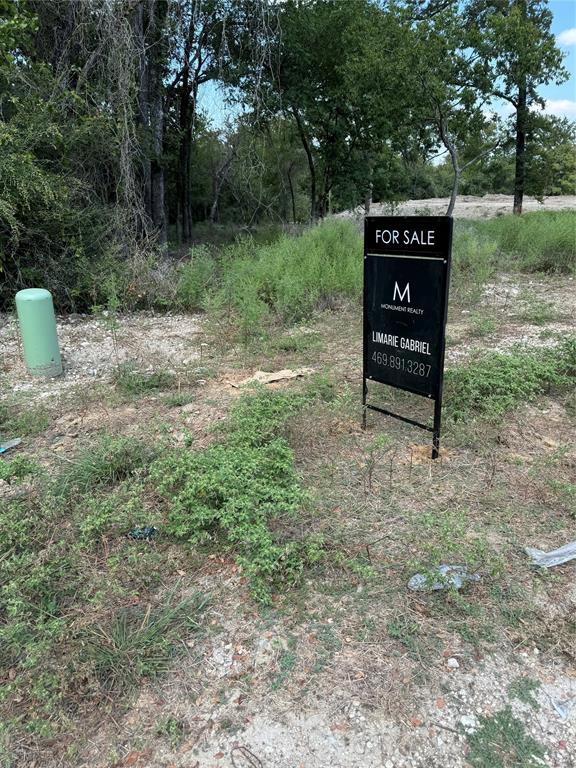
(469, 206)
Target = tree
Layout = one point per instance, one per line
(336, 70)
(519, 53)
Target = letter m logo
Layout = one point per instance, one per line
(401, 295)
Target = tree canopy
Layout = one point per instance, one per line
(108, 154)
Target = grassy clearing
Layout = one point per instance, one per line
(84, 613)
(285, 281)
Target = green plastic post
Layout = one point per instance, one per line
(38, 330)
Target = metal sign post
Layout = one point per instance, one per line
(406, 276)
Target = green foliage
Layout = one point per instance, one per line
(489, 385)
(289, 279)
(195, 278)
(523, 689)
(297, 342)
(111, 514)
(141, 642)
(132, 382)
(502, 742)
(474, 261)
(112, 460)
(539, 241)
(54, 231)
(536, 310)
(172, 729)
(17, 468)
(22, 421)
(240, 490)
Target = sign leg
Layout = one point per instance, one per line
(436, 433)
(364, 395)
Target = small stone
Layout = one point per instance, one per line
(469, 723)
(452, 663)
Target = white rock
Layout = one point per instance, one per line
(469, 723)
(452, 663)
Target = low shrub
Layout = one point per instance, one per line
(239, 490)
(195, 278)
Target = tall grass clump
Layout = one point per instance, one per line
(474, 261)
(543, 241)
(290, 278)
(195, 278)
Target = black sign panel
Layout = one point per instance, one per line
(406, 270)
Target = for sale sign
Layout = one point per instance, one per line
(406, 273)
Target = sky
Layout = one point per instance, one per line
(561, 99)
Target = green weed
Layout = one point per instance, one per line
(178, 399)
(195, 278)
(131, 382)
(17, 468)
(19, 421)
(536, 311)
(566, 491)
(406, 632)
(172, 729)
(474, 262)
(290, 278)
(534, 242)
(491, 384)
(233, 490)
(287, 659)
(502, 742)
(481, 325)
(297, 342)
(523, 689)
(111, 460)
(112, 514)
(141, 642)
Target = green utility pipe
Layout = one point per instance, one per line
(38, 331)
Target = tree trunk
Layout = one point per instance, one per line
(157, 54)
(292, 198)
(139, 22)
(221, 176)
(311, 167)
(519, 171)
(184, 156)
(368, 198)
(449, 144)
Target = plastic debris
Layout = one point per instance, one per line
(556, 557)
(10, 444)
(142, 534)
(448, 577)
(564, 708)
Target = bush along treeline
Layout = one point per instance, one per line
(107, 156)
